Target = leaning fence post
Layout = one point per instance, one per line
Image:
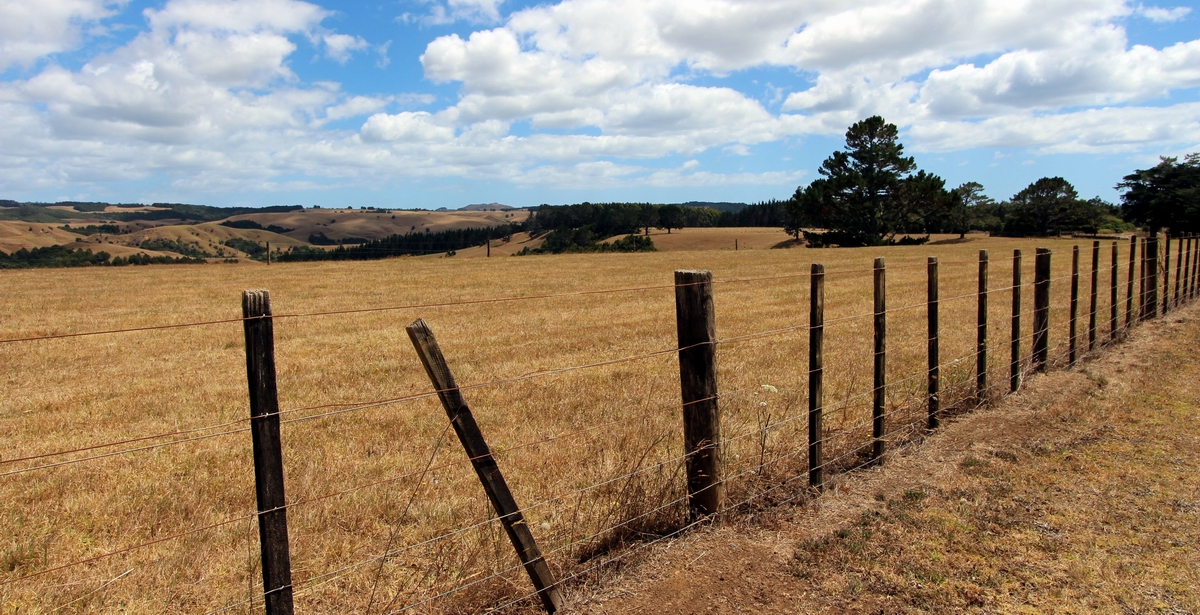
(981, 329)
(1014, 374)
(1072, 343)
(816, 336)
(268, 452)
(695, 323)
(1095, 296)
(1195, 266)
(879, 423)
(931, 308)
(1113, 275)
(484, 463)
(1133, 241)
(1041, 309)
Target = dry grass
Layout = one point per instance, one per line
(68, 393)
(1077, 495)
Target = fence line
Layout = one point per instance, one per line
(843, 431)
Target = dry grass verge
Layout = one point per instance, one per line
(1078, 495)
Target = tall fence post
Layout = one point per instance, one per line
(1142, 282)
(1195, 266)
(1095, 295)
(1041, 309)
(1166, 271)
(1178, 268)
(484, 464)
(1014, 374)
(1072, 350)
(981, 330)
(695, 322)
(268, 452)
(879, 424)
(931, 306)
(1133, 241)
(1113, 276)
(1151, 277)
(816, 337)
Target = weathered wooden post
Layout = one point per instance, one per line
(1133, 241)
(1142, 282)
(1095, 295)
(1072, 320)
(1178, 268)
(1041, 309)
(878, 414)
(981, 330)
(1166, 271)
(695, 322)
(1151, 277)
(931, 307)
(816, 336)
(1014, 373)
(484, 464)
(268, 452)
(1113, 276)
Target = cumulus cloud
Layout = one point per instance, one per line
(32, 30)
(1161, 15)
(596, 89)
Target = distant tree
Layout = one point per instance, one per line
(1165, 195)
(868, 193)
(1049, 206)
(973, 206)
(647, 216)
(669, 217)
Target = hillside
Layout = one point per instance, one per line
(196, 230)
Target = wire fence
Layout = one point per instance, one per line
(621, 485)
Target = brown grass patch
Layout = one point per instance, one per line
(596, 426)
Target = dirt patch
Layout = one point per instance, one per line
(1077, 494)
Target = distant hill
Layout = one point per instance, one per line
(486, 207)
(729, 207)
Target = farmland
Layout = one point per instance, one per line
(584, 449)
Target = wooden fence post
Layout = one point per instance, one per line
(1095, 295)
(1072, 343)
(1113, 276)
(1133, 241)
(981, 330)
(1195, 266)
(1151, 277)
(1041, 309)
(1178, 268)
(695, 323)
(268, 452)
(1166, 271)
(816, 336)
(879, 424)
(484, 463)
(931, 307)
(1142, 282)
(1014, 374)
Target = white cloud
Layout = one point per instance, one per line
(1161, 15)
(31, 30)
(339, 46)
(206, 94)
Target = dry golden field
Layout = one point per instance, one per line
(585, 450)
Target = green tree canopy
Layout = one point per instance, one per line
(1165, 195)
(1050, 206)
(868, 193)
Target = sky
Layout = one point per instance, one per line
(444, 103)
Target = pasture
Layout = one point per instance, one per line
(593, 454)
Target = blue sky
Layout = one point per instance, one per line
(443, 103)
